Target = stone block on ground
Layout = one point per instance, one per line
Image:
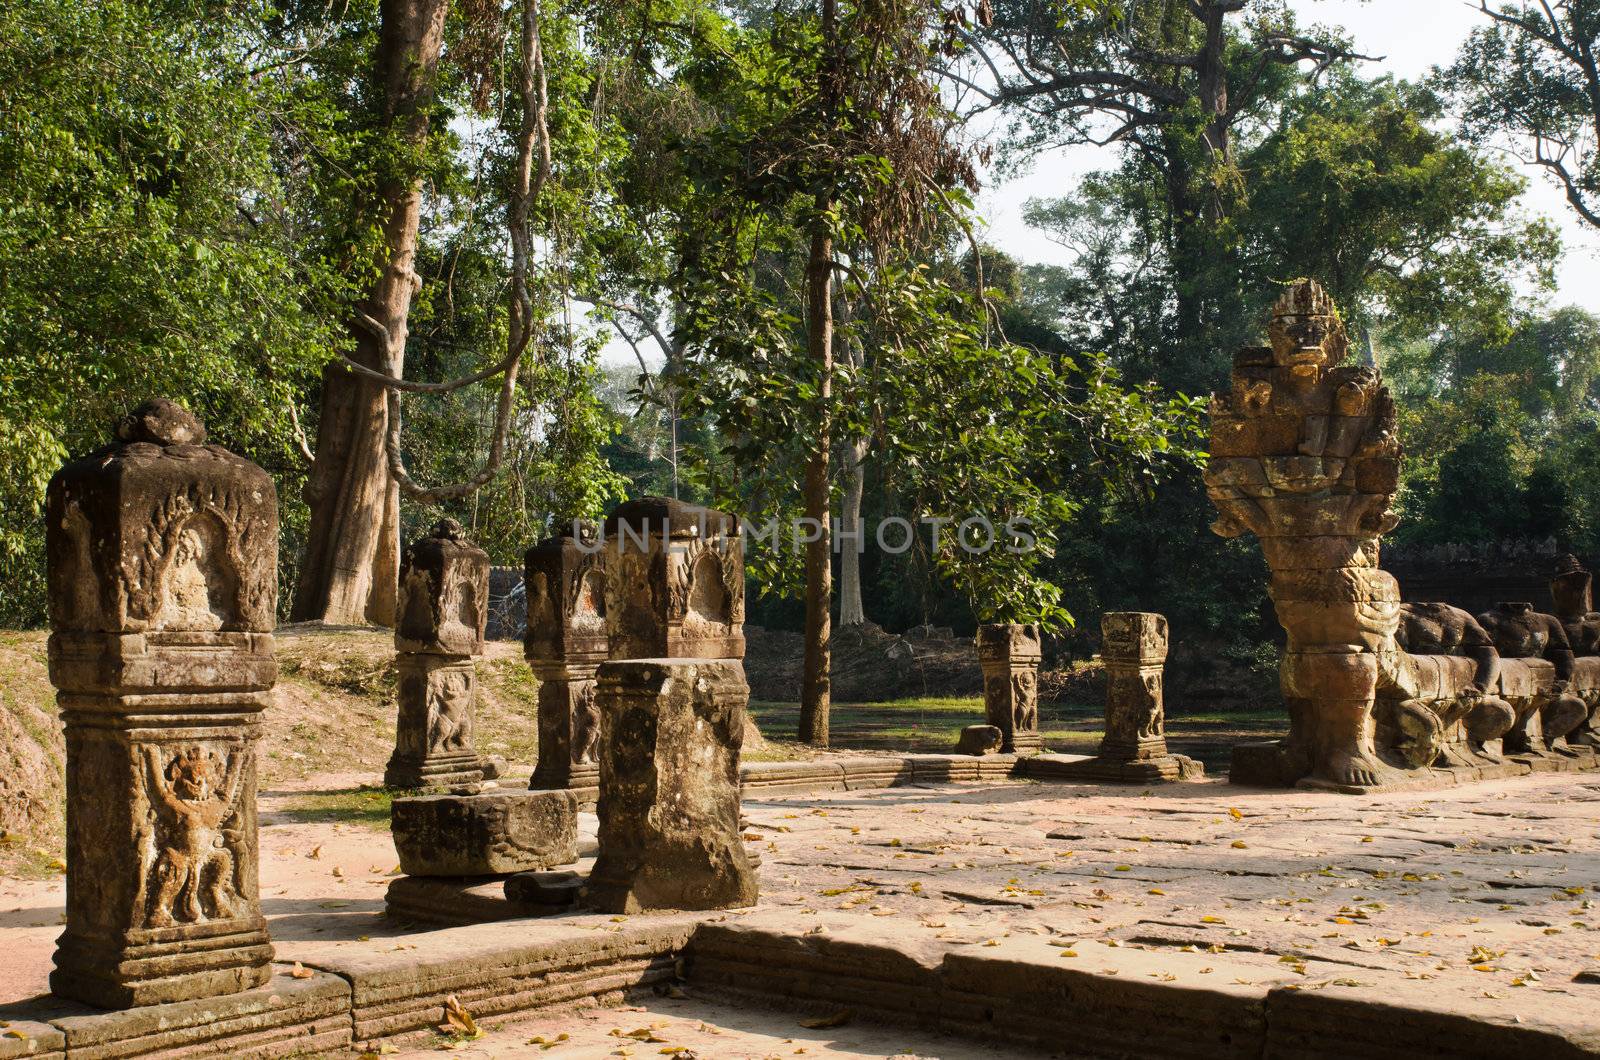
(979, 740)
(496, 832)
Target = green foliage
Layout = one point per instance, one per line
(148, 245)
(1528, 77)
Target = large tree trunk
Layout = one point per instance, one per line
(351, 564)
(815, 684)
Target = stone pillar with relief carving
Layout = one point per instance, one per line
(1009, 653)
(673, 698)
(162, 572)
(566, 641)
(1134, 649)
(442, 612)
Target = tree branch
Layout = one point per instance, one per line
(532, 137)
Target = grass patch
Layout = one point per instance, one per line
(364, 806)
(932, 723)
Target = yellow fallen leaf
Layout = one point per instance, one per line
(1235, 814)
(1124, 868)
(1212, 920)
(1238, 844)
(1068, 953)
(1155, 890)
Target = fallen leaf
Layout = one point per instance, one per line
(300, 971)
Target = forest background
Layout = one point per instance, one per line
(300, 217)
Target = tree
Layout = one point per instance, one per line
(1172, 82)
(351, 566)
(831, 149)
(1531, 75)
(151, 243)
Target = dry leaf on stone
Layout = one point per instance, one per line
(458, 1021)
(300, 971)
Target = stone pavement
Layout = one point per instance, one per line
(1476, 899)
(1481, 893)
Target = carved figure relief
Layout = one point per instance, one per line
(199, 586)
(194, 799)
(450, 712)
(1024, 700)
(1154, 723)
(585, 723)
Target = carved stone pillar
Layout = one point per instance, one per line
(672, 698)
(1009, 653)
(162, 568)
(443, 608)
(669, 787)
(566, 641)
(1134, 649)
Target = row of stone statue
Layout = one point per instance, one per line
(1304, 456)
(162, 574)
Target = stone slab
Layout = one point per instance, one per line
(31, 1039)
(782, 778)
(497, 831)
(494, 972)
(1165, 769)
(288, 1017)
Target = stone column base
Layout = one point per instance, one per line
(152, 966)
(438, 771)
(1023, 743)
(583, 780)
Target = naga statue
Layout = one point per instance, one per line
(1304, 456)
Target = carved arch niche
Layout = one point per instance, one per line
(199, 579)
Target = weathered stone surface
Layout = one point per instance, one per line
(1305, 457)
(444, 593)
(30, 1039)
(485, 834)
(674, 582)
(980, 740)
(435, 737)
(566, 640)
(669, 787)
(1438, 697)
(290, 1015)
(497, 972)
(443, 606)
(1134, 649)
(1009, 654)
(1551, 711)
(162, 567)
(565, 583)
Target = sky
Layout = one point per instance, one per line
(1412, 36)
